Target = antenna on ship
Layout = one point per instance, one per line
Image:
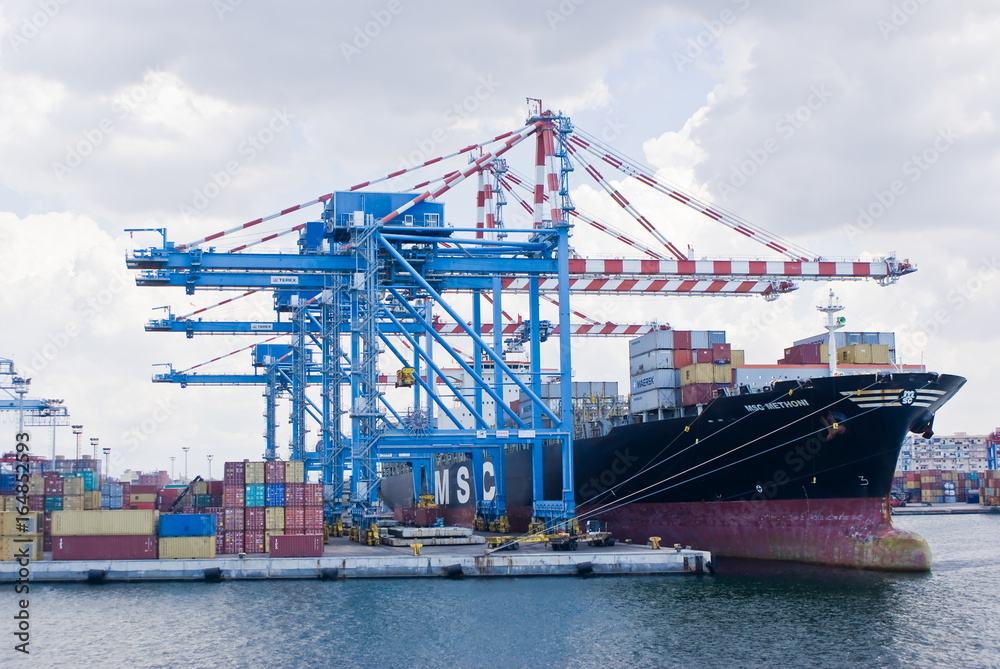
(833, 323)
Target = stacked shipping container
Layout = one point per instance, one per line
(939, 486)
(261, 500)
(104, 535)
(21, 534)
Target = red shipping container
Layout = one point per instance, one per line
(314, 494)
(54, 487)
(313, 516)
(220, 543)
(146, 506)
(234, 473)
(274, 471)
(234, 542)
(120, 547)
(682, 339)
(36, 502)
(314, 529)
(215, 488)
(295, 521)
(309, 545)
(698, 393)
(234, 519)
(255, 518)
(234, 496)
(722, 353)
(143, 490)
(704, 355)
(683, 357)
(254, 542)
(295, 494)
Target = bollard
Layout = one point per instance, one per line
(416, 549)
(654, 543)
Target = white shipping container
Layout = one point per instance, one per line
(699, 339)
(658, 378)
(653, 400)
(646, 362)
(651, 341)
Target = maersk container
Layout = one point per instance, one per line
(103, 523)
(652, 400)
(655, 379)
(304, 545)
(647, 362)
(255, 494)
(187, 525)
(104, 547)
(187, 548)
(274, 494)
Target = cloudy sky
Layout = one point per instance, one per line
(857, 129)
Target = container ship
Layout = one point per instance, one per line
(796, 468)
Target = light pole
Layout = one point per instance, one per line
(186, 449)
(209, 456)
(172, 458)
(93, 443)
(107, 461)
(77, 430)
(21, 388)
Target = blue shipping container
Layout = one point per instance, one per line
(187, 525)
(274, 494)
(255, 494)
(90, 481)
(7, 482)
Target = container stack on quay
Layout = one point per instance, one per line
(265, 500)
(20, 535)
(187, 536)
(943, 486)
(677, 368)
(104, 535)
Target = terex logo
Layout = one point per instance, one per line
(610, 476)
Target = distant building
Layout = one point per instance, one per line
(958, 452)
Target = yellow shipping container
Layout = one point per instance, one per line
(858, 354)
(295, 471)
(274, 518)
(271, 533)
(8, 503)
(145, 497)
(72, 485)
(13, 547)
(187, 548)
(10, 526)
(91, 523)
(880, 354)
(254, 472)
(723, 373)
(92, 499)
(199, 488)
(36, 485)
(72, 502)
(700, 372)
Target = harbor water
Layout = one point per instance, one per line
(751, 614)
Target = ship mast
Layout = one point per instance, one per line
(833, 323)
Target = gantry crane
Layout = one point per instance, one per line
(378, 265)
